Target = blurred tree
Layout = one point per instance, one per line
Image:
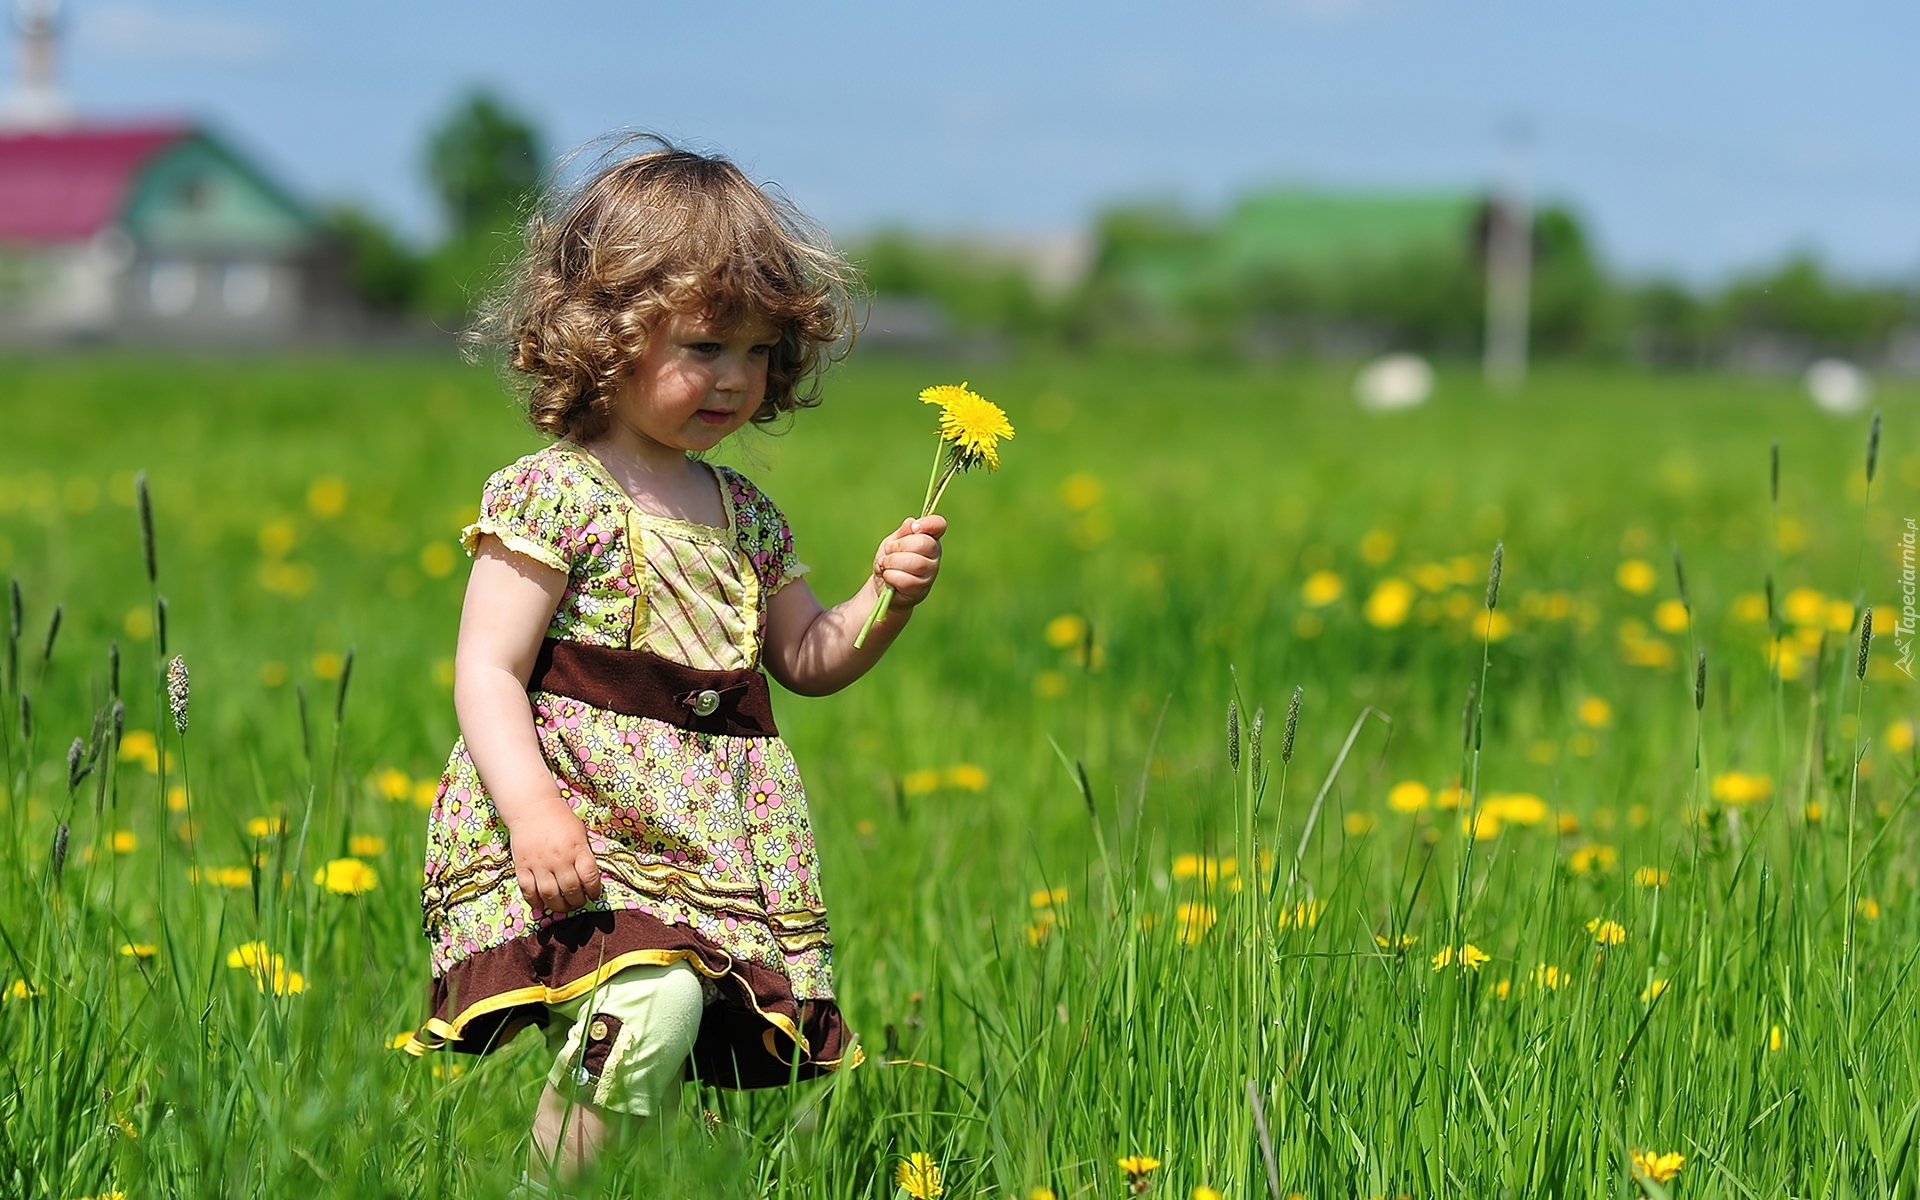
(384, 271)
(975, 290)
(484, 161)
(1801, 302)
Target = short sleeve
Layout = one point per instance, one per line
(532, 510)
(763, 534)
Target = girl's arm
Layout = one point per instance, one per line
(810, 649)
(510, 602)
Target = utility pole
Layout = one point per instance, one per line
(37, 102)
(1509, 268)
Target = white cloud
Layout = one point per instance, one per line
(144, 32)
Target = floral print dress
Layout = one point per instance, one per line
(703, 840)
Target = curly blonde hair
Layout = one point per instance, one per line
(645, 236)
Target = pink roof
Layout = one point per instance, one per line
(65, 185)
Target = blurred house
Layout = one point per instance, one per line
(148, 232)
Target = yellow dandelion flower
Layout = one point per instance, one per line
(1041, 1193)
(347, 877)
(1739, 787)
(266, 827)
(1321, 589)
(1358, 824)
(1304, 915)
(1203, 1192)
(1503, 989)
(1595, 713)
(1868, 908)
(1136, 1165)
(124, 841)
(971, 422)
(250, 954)
(1066, 630)
(919, 1176)
(1194, 921)
(1651, 877)
(1776, 1038)
(20, 989)
(1653, 991)
(1409, 795)
(1548, 976)
(920, 783)
(1469, 956)
(1048, 897)
(1522, 808)
(1389, 604)
(1591, 858)
(1636, 575)
(137, 950)
(967, 777)
(425, 792)
(1607, 933)
(1658, 1167)
(1402, 942)
(1671, 616)
(449, 1070)
(393, 784)
(366, 845)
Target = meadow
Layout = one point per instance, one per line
(1529, 903)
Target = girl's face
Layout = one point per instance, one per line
(696, 383)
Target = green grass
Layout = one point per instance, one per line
(1176, 507)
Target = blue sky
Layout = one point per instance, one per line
(1698, 138)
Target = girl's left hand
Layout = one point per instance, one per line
(909, 559)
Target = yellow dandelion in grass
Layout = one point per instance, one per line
(1041, 1193)
(1739, 787)
(249, 954)
(1358, 824)
(20, 989)
(137, 950)
(399, 1040)
(393, 784)
(1868, 908)
(1321, 589)
(347, 877)
(1409, 795)
(919, 1176)
(228, 877)
(1203, 1192)
(1389, 604)
(971, 423)
(266, 827)
(1607, 933)
(1636, 575)
(967, 777)
(1048, 897)
(1304, 915)
(1591, 858)
(449, 1070)
(1503, 989)
(1658, 1167)
(107, 1196)
(1651, 877)
(1548, 976)
(1776, 1038)
(124, 841)
(1137, 1165)
(1203, 867)
(1595, 713)
(366, 845)
(1194, 921)
(1653, 991)
(1469, 956)
(1066, 631)
(1402, 942)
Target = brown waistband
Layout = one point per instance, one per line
(641, 684)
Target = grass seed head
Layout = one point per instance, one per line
(76, 753)
(1700, 681)
(1292, 726)
(178, 691)
(26, 717)
(1680, 579)
(1467, 715)
(1253, 739)
(1233, 735)
(1866, 640)
(113, 669)
(145, 504)
(1873, 445)
(1771, 620)
(1086, 788)
(53, 633)
(58, 859)
(1493, 576)
(340, 697)
(160, 624)
(119, 721)
(16, 607)
(1773, 475)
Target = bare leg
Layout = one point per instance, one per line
(586, 1129)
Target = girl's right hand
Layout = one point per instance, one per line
(553, 862)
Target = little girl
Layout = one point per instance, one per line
(619, 851)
